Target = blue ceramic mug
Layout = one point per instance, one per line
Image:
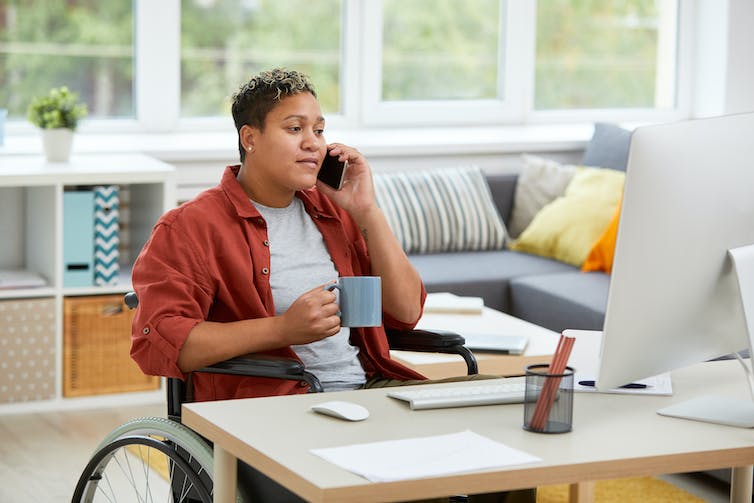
(360, 300)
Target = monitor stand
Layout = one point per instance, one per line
(719, 409)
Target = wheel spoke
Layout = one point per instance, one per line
(102, 490)
(147, 469)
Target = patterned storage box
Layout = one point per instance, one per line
(96, 345)
(27, 350)
(106, 233)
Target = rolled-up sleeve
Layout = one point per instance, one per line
(170, 280)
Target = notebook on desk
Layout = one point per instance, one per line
(496, 343)
(448, 303)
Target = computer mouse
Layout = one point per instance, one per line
(342, 410)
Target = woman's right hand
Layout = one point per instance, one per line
(312, 317)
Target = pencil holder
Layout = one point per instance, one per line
(548, 405)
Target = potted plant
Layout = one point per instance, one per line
(57, 114)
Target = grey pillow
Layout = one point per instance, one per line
(608, 147)
(539, 183)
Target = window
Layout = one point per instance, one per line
(440, 50)
(224, 42)
(440, 62)
(497, 61)
(174, 64)
(86, 45)
(605, 54)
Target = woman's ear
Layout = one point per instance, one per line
(247, 138)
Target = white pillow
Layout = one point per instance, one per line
(442, 210)
(539, 183)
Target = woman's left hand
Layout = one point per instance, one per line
(357, 193)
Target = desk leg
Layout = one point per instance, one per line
(581, 492)
(224, 476)
(740, 484)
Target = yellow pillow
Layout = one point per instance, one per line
(600, 257)
(566, 228)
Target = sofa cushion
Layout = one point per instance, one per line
(600, 257)
(539, 183)
(566, 228)
(502, 187)
(481, 274)
(562, 300)
(441, 210)
(608, 147)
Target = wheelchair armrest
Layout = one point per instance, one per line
(437, 341)
(251, 366)
(273, 367)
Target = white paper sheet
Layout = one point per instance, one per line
(414, 458)
(658, 385)
(585, 359)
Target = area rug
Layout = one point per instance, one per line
(630, 490)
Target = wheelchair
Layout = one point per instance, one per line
(159, 459)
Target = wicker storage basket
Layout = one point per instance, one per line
(96, 345)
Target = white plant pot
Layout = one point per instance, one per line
(57, 144)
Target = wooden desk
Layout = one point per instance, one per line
(614, 436)
(542, 343)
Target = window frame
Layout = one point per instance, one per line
(157, 60)
(684, 45)
(508, 108)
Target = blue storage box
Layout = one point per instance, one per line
(78, 238)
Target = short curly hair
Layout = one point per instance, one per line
(261, 93)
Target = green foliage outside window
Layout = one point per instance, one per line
(225, 42)
(596, 54)
(440, 49)
(86, 45)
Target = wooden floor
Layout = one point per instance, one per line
(42, 455)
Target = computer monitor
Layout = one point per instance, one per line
(675, 296)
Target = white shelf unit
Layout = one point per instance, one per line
(31, 237)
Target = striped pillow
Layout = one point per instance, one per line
(443, 210)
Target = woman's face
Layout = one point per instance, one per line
(288, 153)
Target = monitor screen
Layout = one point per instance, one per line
(674, 296)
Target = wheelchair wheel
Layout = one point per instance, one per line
(148, 459)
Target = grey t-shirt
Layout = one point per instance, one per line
(299, 261)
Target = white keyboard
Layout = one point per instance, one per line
(434, 397)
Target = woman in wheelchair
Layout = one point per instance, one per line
(242, 267)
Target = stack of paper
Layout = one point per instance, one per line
(450, 303)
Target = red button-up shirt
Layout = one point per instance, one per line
(208, 260)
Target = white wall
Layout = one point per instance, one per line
(723, 69)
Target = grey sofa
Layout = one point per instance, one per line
(545, 292)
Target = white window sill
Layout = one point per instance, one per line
(222, 146)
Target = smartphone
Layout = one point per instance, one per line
(333, 171)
